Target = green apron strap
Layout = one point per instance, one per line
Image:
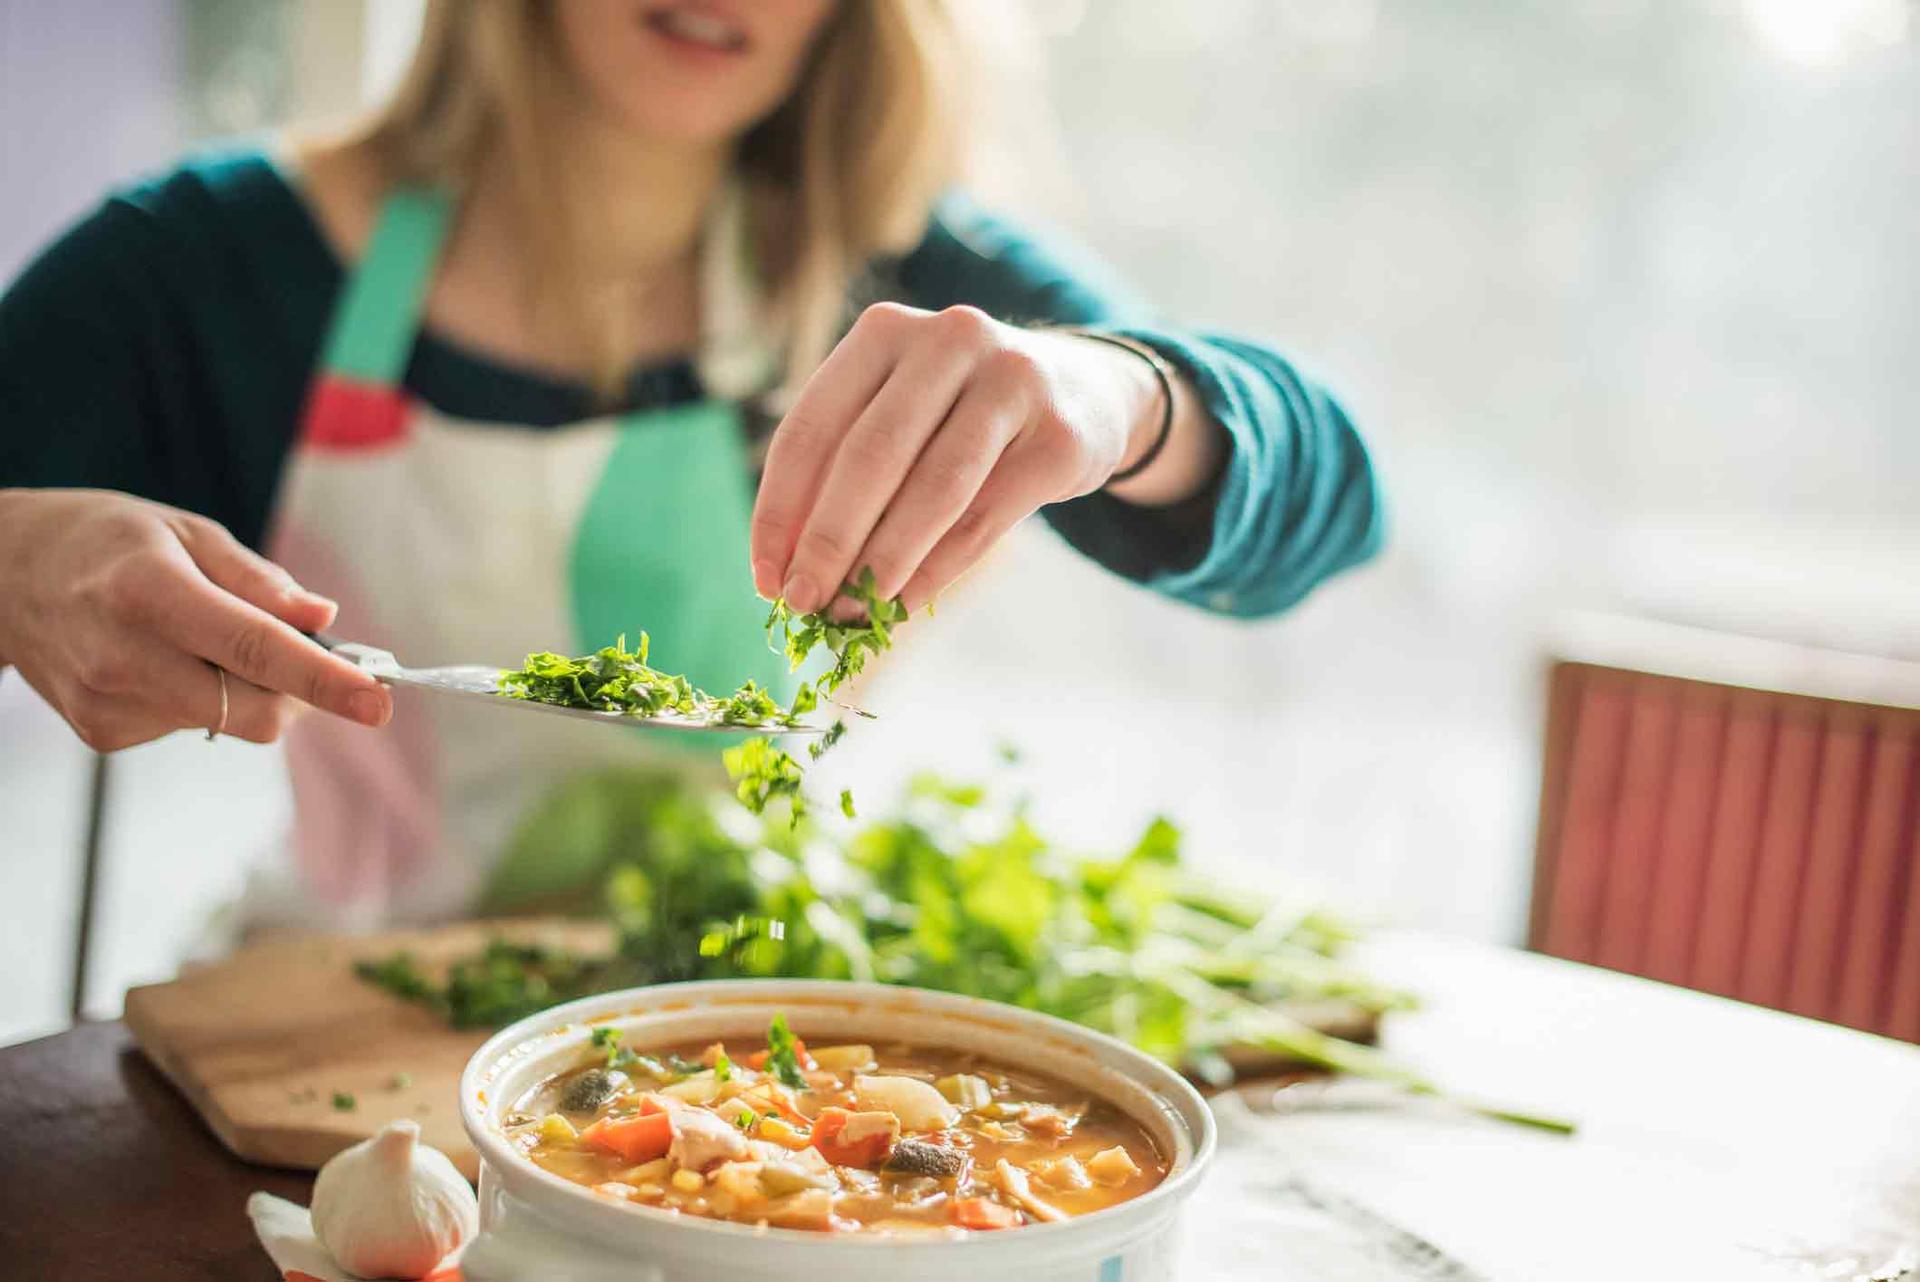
(378, 314)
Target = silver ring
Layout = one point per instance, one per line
(216, 731)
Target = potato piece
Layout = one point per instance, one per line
(808, 1209)
(736, 1189)
(1045, 1119)
(777, 1179)
(851, 1058)
(966, 1090)
(557, 1129)
(1064, 1173)
(701, 1088)
(688, 1181)
(648, 1172)
(1111, 1166)
(916, 1103)
(1013, 1182)
(733, 1110)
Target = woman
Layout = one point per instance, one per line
(491, 373)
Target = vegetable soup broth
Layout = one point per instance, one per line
(887, 1138)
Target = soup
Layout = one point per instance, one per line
(845, 1138)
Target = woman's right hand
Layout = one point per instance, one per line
(117, 610)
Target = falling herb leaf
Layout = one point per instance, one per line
(846, 803)
(760, 772)
(821, 746)
(783, 1060)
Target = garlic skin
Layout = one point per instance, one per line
(392, 1207)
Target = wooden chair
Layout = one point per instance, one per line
(1736, 816)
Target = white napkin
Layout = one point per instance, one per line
(286, 1231)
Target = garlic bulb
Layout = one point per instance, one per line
(391, 1207)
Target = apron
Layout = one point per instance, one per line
(453, 541)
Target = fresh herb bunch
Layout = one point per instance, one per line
(956, 889)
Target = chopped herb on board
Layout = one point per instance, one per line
(344, 1102)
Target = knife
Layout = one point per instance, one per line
(478, 681)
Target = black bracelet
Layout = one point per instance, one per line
(1164, 377)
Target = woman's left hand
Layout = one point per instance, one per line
(925, 436)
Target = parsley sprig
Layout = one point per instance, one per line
(797, 636)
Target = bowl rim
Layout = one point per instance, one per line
(1177, 1096)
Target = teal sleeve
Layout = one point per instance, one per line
(1296, 500)
(161, 345)
(82, 362)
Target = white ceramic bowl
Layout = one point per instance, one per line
(535, 1225)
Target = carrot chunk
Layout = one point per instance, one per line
(984, 1213)
(855, 1139)
(635, 1139)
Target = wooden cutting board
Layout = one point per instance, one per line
(261, 1041)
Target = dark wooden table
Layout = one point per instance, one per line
(107, 1174)
(1717, 1141)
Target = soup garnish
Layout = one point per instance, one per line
(852, 1137)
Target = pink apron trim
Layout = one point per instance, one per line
(368, 818)
(344, 414)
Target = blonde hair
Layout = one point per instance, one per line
(846, 170)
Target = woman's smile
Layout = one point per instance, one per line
(701, 30)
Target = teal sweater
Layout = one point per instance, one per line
(163, 347)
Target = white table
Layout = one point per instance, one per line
(1717, 1141)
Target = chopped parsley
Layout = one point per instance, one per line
(343, 1102)
(798, 636)
(722, 1068)
(607, 1040)
(616, 679)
